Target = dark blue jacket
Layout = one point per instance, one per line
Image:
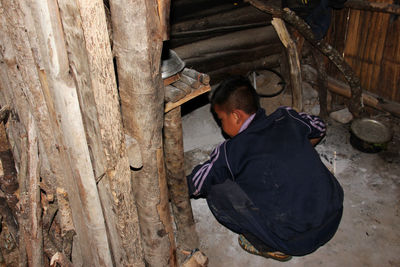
(291, 201)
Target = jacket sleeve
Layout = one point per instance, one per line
(213, 171)
(315, 124)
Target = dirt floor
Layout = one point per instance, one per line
(369, 233)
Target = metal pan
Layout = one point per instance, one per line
(369, 135)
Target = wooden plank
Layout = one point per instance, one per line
(169, 106)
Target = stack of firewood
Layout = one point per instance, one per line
(186, 82)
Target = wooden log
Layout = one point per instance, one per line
(184, 38)
(173, 94)
(195, 84)
(294, 62)
(214, 61)
(34, 247)
(187, 238)
(229, 20)
(390, 8)
(142, 99)
(201, 77)
(232, 41)
(182, 86)
(23, 237)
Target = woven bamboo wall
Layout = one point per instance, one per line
(370, 42)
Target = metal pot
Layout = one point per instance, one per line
(171, 65)
(369, 135)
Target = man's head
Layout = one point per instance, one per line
(234, 100)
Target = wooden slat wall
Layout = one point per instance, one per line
(370, 42)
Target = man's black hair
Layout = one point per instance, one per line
(236, 92)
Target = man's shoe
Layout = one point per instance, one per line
(276, 255)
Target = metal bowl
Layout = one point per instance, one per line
(369, 135)
(171, 65)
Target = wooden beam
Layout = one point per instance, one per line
(294, 62)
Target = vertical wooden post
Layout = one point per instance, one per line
(187, 238)
(294, 62)
(137, 45)
(322, 83)
(163, 13)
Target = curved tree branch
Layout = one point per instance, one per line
(304, 29)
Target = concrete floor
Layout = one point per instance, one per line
(369, 233)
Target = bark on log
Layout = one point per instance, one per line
(65, 221)
(142, 99)
(294, 63)
(34, 247)
(290, 17)
(374, 6)
(187, 238)
(22, 219)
